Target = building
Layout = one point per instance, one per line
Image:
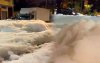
(6, 9)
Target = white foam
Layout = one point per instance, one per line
(28, 26)
(41, 55)
(21, 37)
(78, 43)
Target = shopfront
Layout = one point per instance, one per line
(6, 9)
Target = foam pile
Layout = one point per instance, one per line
(75, 43)
(78, 43)
(28, 26)
(41, 55)
(21, 37)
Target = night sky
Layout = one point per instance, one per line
(32, 3)
(48, 3)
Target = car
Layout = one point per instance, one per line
(23, 17)
(68, 11)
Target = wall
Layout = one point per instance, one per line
(6, 2)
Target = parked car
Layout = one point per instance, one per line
(23, 17)
(68, 11)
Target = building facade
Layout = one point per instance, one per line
(6, 9)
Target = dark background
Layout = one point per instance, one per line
(51, 4)
(33, 3)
